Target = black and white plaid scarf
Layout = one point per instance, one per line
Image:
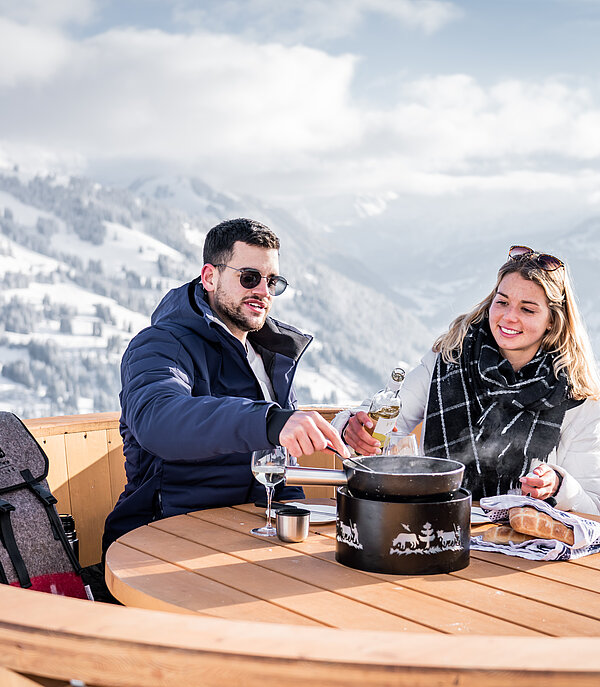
(491, 418)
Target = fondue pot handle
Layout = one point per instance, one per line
(298, 475)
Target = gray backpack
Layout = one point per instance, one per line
(34, 549)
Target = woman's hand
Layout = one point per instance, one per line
(540, 483)
(356, 436)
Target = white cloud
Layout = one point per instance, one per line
(200, 97)
(48, 12)
(29, 53)
(452, 120)
(427, 15)
(295, 21)
(276, 120)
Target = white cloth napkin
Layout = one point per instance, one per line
(586, 533)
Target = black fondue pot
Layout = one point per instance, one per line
(414, 537)
(400, 515)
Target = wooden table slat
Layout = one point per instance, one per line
(270, 586)
(156, 584)
(559, 571)
(526, 585)
(354, 585)
(592, 562)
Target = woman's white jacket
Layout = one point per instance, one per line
(576, 457)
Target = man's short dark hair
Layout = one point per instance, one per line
(218, 245)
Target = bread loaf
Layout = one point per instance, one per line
(531, 521)
(503, 534)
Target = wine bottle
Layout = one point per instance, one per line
(385, 406)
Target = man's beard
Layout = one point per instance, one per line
(234, 314)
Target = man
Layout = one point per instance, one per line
(210, 381)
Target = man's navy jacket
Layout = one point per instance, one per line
(192, 411)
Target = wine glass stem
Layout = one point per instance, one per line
(269, 489)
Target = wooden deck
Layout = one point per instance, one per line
(49, 640)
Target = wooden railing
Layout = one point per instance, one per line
(47, 640)
(110, 646)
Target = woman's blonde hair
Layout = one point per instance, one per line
(566, 336)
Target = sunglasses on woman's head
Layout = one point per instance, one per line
(544, 260)
(250, 279)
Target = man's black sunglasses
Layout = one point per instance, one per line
(250, 279)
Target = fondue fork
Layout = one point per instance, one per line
(356, 463)
(360, 465)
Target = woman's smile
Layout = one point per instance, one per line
(509, 332)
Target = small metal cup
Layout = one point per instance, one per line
(292, 524)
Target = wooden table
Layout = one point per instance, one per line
(207, 562)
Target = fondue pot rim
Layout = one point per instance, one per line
(454, 466)
(377, 484)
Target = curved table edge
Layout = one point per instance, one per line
(67, 638)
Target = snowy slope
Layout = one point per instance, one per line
(83, 266)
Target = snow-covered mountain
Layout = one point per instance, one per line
(83, 266)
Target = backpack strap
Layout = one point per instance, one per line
(3, 578)
(48, 500)
(8, 539)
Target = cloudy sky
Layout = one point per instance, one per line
(300, 101)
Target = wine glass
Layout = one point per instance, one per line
(397, 444)
(268, 466)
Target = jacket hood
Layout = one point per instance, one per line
(185, 308)
(181, 307)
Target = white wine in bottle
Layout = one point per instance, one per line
(385, 406)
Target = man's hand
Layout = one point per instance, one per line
(307, 431)
(356, 436)
(540, 483)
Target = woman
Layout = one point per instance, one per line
(511, 390)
